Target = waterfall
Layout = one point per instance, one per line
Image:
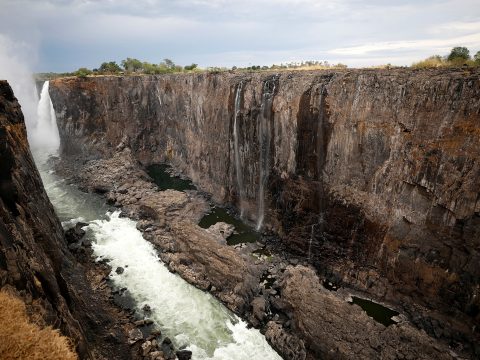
(44, 134)
(310, 242)
(264, 138)
(320, 151)
(238, 165)
(320, 224)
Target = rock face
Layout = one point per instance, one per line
(29, 225)
(34, 259)
(296, 312)
(319, 314)
(371, 175)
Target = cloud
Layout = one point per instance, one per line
(74, 33)
(435, 45)
(457, 27)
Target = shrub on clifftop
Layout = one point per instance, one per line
(83, 72)
(459, 56)
(110, 68)
(476, 58)
(459, 53)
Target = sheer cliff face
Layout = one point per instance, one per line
(33, 256)
(372, 174)
(35, 262)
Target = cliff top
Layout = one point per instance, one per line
(429, 72)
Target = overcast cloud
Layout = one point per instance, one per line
(62, 35)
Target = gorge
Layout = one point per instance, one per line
(363, 184)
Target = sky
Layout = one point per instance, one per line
(63, 35)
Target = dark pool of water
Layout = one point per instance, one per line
(243, 232)
(329, 285)
(161, 175)
(376, 311)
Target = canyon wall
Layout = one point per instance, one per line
(372, 175)
(32, 247)
(35, 263)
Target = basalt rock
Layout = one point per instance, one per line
(333, 329)
(186, 248)
(75, 233)
(32, 247)
(373, 176)
(34, 259)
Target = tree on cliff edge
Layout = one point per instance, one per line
(476, 57)
(110, 67)
(459, 54)
(132, 65)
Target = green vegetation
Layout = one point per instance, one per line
(476, 58)
(132, 66)
(459, 56)
(459, 53)
(135, 66)
(190, 67)
(83, 72)
(109, 68)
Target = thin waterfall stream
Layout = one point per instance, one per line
(320, 152)
(264, 139)
(191, 318)
(238, 165)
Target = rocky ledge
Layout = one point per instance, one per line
(300, 318)
(370, 175)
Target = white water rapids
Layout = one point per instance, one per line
(191, 318)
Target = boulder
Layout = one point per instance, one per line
(184, 355)
(75, 233)
(134, 335)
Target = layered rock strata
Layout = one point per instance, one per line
(300, 318)
(371, 175)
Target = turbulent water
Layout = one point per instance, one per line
(191, 318)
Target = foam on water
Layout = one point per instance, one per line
(189, 316)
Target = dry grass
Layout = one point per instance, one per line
(437, 61)
(431, 62)
(21, 339)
